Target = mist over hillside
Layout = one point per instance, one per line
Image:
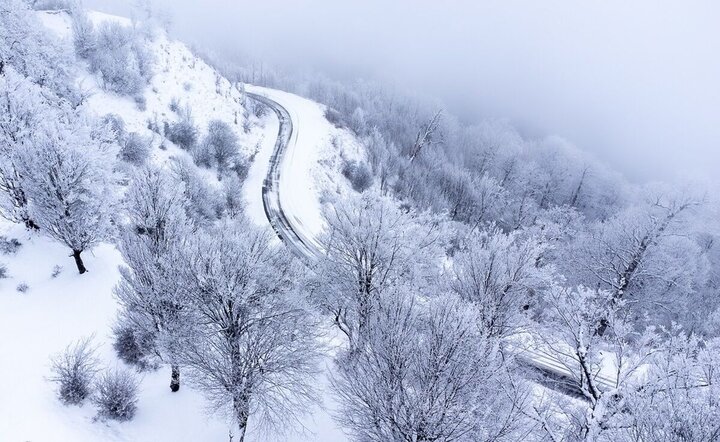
(229, 222)
(622, 80)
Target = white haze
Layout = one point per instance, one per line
(637, 83)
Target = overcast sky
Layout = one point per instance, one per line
(636, 82)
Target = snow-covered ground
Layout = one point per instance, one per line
(55, 311)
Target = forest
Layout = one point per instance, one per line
(464, 261)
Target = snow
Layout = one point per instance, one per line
(55, 312)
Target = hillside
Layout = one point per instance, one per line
(64, 306)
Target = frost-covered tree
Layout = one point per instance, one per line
(84, 37)
(646, 253)
(500, 274)
(426, 374)
(371, 243)
(69, 180)
(603, 369)
(117, 53)
(679, 401)
(205, 203)
(222, 146)
(149, 291)
(24, 110)
(27, 46)
(253, 350)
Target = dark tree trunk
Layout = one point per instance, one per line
(174, 378)
(79, 262)
(242, 413)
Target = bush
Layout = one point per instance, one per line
(202, 155)
(57, 270)
(335, 118)
(206, 203)
(116, 124)
(52, 5)
(130, 348)
(9, 246)
(221, 145)
(140, 102)
(116, 395)
(3, 271)
(118, 55)
(175, 105)
(23, 287)
(74, 370)
(84, 39)
(183, 133)
(135, 149)
(358, 174)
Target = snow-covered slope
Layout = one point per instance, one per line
(55, 311)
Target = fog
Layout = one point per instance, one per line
(637, 83)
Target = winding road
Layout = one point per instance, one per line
(280, 222)
(552, 372)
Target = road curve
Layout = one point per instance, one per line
(554, 374)
(280, 222)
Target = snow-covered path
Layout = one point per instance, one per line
(291, 199)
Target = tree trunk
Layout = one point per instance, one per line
(242, 412)
(79, 262)
(174, 378)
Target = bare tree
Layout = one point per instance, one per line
(499, 273)
(602, 369)
(149, 292)
(425, 374)
(427, 135)
(370, 244)
(69, 181)
(253, 350)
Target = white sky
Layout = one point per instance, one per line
(635, 81)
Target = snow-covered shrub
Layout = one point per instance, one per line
(335, 118)
(183, 133)
(116, 395)
(140, 102)
(221, 145)
(116, 124)
(74, 371)
(3, 271)
(205, 202)
(23, 287)
(202, 155)
(84, 39)
(129, 347)
(175, 104)
(358, 174)
(9, 246)
(135, 149)
(52, 5)
(232, 190)
(120, 56)
(57, 270)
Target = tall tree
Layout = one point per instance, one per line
(371, 243)
(149, 291)
(426, 374)
(70, 184)
(253, 350)
(500, 274)
(23, 111)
